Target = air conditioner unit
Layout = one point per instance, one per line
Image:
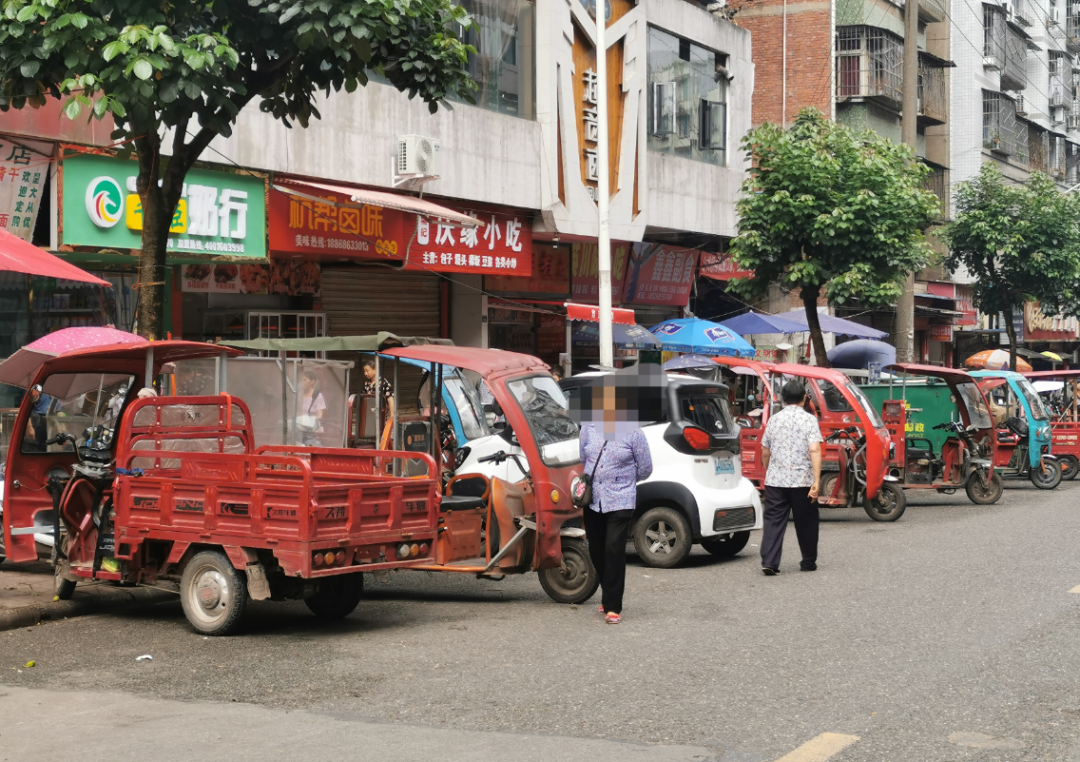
(1055, 16)
(417, 155)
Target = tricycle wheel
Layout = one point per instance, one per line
(981, 493)
(213, 593)
(337, 597)
(63, 588)
(1069, 467)
(726, 547)
(1048, 480)
(888, 505)
(575, 580)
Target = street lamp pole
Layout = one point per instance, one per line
(603, 196)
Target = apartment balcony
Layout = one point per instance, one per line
(1072, 26)
(1061, 96)
(937, 182)
(933, 103)
(1021, 12)
(932, 11)
(869, 65)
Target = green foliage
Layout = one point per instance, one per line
(160, 63)
(1019, 242)
(828, 209)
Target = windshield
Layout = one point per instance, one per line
(835, 401)
(867, 406)
(707, 411)
(469, 408)
(75, 403)
(545, 408)
(976, 405)
(1038, 411)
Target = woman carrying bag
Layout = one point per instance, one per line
(612, 467)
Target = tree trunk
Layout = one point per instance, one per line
(155, 236)
(809, 298)
(1011, 330)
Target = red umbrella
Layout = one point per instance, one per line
(18, 256)
(19, 369)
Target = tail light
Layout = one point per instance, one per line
(697, 438)
(403, 550)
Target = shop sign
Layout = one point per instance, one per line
(936, 332)
(550, 275)
(722, 267)
(550, 335)
(767, 354)
(24, 165)
(585, 269)
(965, 304)
(660, 274)
(1038, 325)
(282, 277)
(220, 213)
(502, 246)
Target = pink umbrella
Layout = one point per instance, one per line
(19, 369)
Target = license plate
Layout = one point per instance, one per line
(725, 466)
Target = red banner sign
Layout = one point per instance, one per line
(550, 275)
(939, 332)
(964, 304)
(503, 246)
(586, 271)
(660, 274)
(592, 313)
(722, 267)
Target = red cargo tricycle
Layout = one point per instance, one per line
(1064, 416)
(855, 456)
(145, 489)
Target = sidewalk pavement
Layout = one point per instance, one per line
(26, 596)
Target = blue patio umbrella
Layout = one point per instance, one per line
(622, 336)
(755, 322)
(860, 353)
(703, 337)
(833, 324)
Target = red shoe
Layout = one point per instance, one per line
(613, 618)
(601, 608)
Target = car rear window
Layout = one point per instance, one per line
(708, 410)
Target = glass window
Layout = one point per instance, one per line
(976, 405)
(687, 99)
(503, 63)
(1038, 410)
(469, 408)
(867, 405)
(835, 401)
(75, 404)
(545, 407)
(706, 411)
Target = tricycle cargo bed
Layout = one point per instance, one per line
(200, 482)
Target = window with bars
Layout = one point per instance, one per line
(1057, 157)
(1004, 49)
(1002, 132)
(869, 64)
(1060, 89)
(1072, 164)
(933, 103)
(1038, 149)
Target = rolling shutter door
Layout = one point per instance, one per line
(360, 302)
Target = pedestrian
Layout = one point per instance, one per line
(386, 392)
(39, 420)
(791, 456)
(616, 464)
(312, 406)
(557, 373)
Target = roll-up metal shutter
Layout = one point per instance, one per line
(360, 301)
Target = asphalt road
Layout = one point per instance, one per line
(949, 635)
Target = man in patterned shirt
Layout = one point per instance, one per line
(791, 455)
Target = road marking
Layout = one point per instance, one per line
(1075, 589)
(820, 749)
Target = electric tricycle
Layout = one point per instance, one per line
(1023, 435)
(855, 457)
(1064, 414)
(149, 489)
(965, 456)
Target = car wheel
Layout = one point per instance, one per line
(337, 596)
(575, 579)
(662, 537)
(212, 593)
(726, 547)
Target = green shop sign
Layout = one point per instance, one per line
(220, 213)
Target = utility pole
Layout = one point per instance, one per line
(607, 358)
(905, 308)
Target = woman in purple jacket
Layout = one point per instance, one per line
(623, 462)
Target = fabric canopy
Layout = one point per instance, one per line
(755, 322)
(703, 337)
(592, 313)
(381, 340)
(18, 256)
(858, 354)
(361, 197)
(21, 367)
(833, 324)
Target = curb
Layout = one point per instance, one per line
(28, 616)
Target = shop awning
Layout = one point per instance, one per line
(379, 341)
(591, 313)
(18, 256)
(360, 197)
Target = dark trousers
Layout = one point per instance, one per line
(779, 502)
(606, 533)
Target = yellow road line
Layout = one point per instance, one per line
(820, 749)
(1075, 589)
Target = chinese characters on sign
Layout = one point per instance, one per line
(502, 246)
(218, 212)
(550, 275)
(722, 267)
(586, 271)
(937, 332)
(592, 131)
(24, 166)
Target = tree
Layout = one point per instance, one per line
(1019, 242)
(827, 209)
(179, 74)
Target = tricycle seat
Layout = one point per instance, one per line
(461, 503)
